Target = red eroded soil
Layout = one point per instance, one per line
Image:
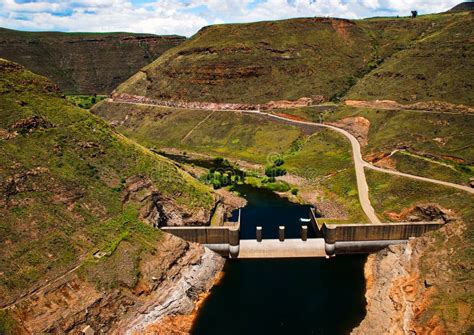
(291, 117)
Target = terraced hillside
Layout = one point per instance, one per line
(84, 63)
(71, 188)
(438, 67)
(317, 57)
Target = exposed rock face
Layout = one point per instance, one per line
(85, 63)
(411, 288)
(424, 212)
(170, 283)
(157, 209)
(138, 99)
(357, 126)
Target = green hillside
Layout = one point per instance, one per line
(438, 67)
(259, 62)
(322, 157)
(84, 63)
(290, 59)
(71, 186)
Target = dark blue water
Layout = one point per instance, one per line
(267, 209)
(283, 296)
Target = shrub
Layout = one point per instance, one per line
(278, 186)
(275, 171)
(278, 162)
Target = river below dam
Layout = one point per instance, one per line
(283, 296)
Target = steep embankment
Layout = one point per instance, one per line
(77, 205)
(314, 57)
(84, 63)
(426, 286)
(438, 67)
(259, 62)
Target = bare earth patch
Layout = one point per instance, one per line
(357, 126)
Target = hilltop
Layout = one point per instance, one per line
(316, 57)
(437, 67)
(468, 5)
(78, 203)
(84, 63)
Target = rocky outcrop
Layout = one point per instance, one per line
(157, 209)
(415, 288)
(357, 126)
(137, 99)
(172, 279)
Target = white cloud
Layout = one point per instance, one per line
(185, 17)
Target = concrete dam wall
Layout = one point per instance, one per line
(332, 239)
(365, 237)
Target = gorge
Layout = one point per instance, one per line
(367, 121)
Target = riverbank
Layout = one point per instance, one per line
(172, 280)
(307, 192)
(414, 288)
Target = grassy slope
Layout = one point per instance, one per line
(438, 67)
(247, 137)
(84, 63)
(447, 138)
(60, 186)
(314, 56)
(259, 62)
(453, 299)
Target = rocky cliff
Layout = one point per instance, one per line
(84, 63)
(421, 287)
(172, 279)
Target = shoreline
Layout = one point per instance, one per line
(183, 323)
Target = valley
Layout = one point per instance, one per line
(125, 154)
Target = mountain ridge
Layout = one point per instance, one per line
(84, 63)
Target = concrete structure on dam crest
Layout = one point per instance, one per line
(331, 239)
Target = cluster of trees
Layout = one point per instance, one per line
(276, 169)
(220, 179)
(223, 174)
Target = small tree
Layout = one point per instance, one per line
(414, 14)
(278, 162)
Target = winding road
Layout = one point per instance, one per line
(359, 163)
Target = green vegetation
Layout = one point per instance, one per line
(127, 238)
(323, 158)
(438, 67)
(62, 170)
(235, 63)
(232, 135)
(449, 254)
(404, 59)
(7, 324)
(433, 168)
(85, 101)
(275, 171)
(436, 145)
(266, 183)
(219, 179)
(84, 63)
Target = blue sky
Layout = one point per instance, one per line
(185, 17)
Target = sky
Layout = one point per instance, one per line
(186, 17)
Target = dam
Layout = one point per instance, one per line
(282, 271)
(331, 240)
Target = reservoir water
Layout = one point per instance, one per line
(283, 296)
